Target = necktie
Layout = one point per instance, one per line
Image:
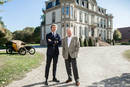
(53, 34)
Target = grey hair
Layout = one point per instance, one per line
(68, 28)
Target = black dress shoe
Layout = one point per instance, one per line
(46, 83)
(68, 81)
(55, 80)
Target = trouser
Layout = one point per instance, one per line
(48, 63)
(72, 62)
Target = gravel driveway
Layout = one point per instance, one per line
(94, 64)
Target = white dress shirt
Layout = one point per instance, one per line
(69, 41)
(53, 33)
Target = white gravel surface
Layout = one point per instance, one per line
(94, 64)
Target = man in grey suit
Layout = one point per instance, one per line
(70, 51)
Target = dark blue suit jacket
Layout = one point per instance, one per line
(52, 47)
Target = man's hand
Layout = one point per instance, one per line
(49, 40)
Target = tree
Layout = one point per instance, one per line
(81, 42)
(2, 30)
(24, 35)
(91, 41)
(4, 1)
(18, 35)
(27, 32)
(117, 35)
(85, 42)
(36, 34)
(5, 34)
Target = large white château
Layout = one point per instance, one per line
(84, 17)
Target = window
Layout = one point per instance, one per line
(53, 3)
(80, 31)
(53, 17)
(67, 25)
(86, 31)
(74, 14)
(101, 22)
(92, 32)
(57, 2)
(63, 10)
(67, 10)
(99, 10)
(71, 11)
(87, 5)
(92, 7)
(104, 23)
(80, 14)
(82, 3)
(86, 17)
(49, 5)
(77, 1)
(92, 19)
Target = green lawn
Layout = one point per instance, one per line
(14, 67)
(33, 44)
(127, 54)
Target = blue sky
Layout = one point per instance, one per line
(19, 14)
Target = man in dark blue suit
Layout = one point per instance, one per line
(53, 43)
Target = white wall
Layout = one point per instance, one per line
(49, 16)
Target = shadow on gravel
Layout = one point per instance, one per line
(117, 81)
(40, 83)
(62, 84)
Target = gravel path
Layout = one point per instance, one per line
(94, 64)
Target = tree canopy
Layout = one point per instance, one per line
(117, 35)
(28, 35)
(5, 34)
(4, 1)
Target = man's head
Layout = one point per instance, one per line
(53, 27)
(69, 32)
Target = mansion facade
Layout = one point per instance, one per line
(84, 17)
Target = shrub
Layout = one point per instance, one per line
(109, 41)
(81, 42)
(113, 42)
(125, 43)
(91, 41)
(85, 42)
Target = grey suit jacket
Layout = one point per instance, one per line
(73, 49)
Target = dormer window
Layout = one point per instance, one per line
(57, 2)
(77, 1)
(52, 4)
(49, 5)
(82, 3)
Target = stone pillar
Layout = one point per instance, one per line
(43, 36)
